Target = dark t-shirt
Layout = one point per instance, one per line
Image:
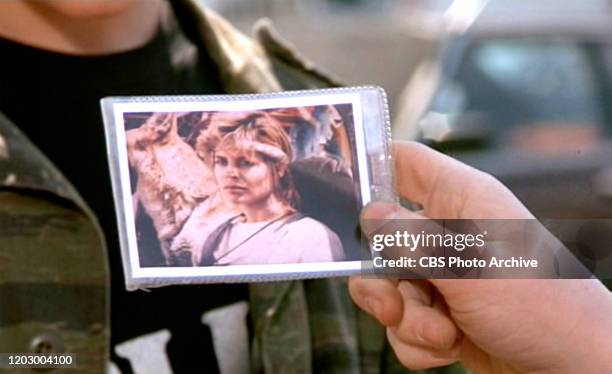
(54, 99)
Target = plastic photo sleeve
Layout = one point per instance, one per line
(245, 188)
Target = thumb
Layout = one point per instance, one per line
(378, 216)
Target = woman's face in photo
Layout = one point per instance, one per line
(243, 179)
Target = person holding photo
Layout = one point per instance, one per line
(59, 57)
(251, 167)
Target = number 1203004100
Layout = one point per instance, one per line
(33, 360)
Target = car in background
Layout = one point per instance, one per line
(525, 93)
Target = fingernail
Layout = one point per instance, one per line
(425, 337)
(446, 355)
(424, 333)
(374, 307)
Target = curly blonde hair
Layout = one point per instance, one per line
(260, 134)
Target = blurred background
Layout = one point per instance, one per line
(521, 89)
(359, 41)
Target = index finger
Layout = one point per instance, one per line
(379, 297)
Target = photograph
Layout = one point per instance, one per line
(242, 183)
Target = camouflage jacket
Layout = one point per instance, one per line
(52, 254)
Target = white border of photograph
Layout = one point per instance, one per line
(233, 272)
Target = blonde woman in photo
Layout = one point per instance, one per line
(251, 168)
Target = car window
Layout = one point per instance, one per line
(501, 84)
(555, 78)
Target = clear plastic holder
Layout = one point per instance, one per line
(339, 133)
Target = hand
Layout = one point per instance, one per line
(491, 326)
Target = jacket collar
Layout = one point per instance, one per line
(250, 65)
(242, 62)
